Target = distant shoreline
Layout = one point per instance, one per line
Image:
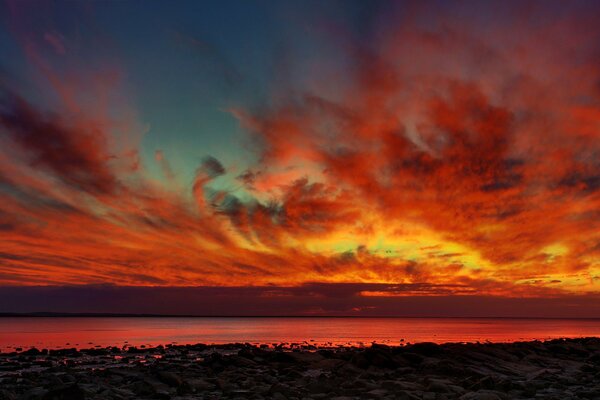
(127, 315)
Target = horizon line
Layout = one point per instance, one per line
(51, 314)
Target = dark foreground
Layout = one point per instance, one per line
(557, 369)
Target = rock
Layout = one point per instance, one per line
(6, 395)
(32, 352)
(438, 387)
(170, 378)
(412, 372)
(200, 385)
(67, 392)
(242, 362)
(185, 389)
(72, 352)
(135, 350)
(143, 388)
(594, 357)
(306, 357)
(327, 364)
(426, 348)
(67, 379)
(35, 393)
(278, 387)
(377, 357)
(319, 386)
(282, 357)
(377, 393)
(413, 358)
(278, 396)
(226, 384)
(96, 352)
(589, 368)
(588, 393)
(481, 395)
(124, 393)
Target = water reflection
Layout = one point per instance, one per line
(90, 332)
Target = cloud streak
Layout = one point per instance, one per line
(432, 154)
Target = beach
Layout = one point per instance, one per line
(553, 369)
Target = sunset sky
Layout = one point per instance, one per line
(306, 150)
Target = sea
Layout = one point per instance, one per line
(89, 332)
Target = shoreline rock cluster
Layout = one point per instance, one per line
(556, 369)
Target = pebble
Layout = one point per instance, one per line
(557, 369)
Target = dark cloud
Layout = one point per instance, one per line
(329, 299)
(247, 178)
(433, 151)
(302, 208)
(212, 167)
(75, 153)
(586, 182)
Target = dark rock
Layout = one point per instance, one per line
(413, 358)
(319, 386)
(545, 370)
(35, 393)
(67, 392)
(377, 393)
(483, 395)
(161, 396)
(7, 395)
(282, 357)
(328, 364)
(377, 357)
(185, 388)
(200, 385)
(32, 352)
(280, 388)
(143, 389)
(72, 352)
(96, 352)
(170, 378)
(135, 350)
(426, 348)
(242, 362)
(438, 387)
(306, 357)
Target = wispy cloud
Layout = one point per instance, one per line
(445, 157)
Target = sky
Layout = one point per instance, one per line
(405, 157)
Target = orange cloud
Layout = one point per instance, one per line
(443, 162)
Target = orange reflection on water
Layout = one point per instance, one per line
(89, 332)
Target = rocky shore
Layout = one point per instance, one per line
(556, 369)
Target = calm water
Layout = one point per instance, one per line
(88, 332)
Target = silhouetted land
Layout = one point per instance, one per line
(44, 314)
(556, 369)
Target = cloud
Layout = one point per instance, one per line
(306, 300)
(55, 40)
(430, 154)
(455, 127)
(165, 166)
(75, 153)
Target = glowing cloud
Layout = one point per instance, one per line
(431, 153)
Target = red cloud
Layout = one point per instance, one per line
(445, 159)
